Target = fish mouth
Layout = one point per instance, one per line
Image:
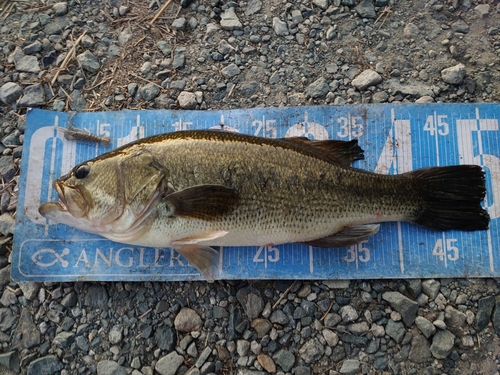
(71, 199)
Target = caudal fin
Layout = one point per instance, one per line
(452, 197)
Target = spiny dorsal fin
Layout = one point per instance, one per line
(339, 152)
(206, 202)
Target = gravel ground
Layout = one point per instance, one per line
(87, 55)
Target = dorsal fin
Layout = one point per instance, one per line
(339, 152)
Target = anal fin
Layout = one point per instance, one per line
(204, 258)
(347, 236)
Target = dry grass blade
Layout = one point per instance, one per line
(68, 57)
(160, 12)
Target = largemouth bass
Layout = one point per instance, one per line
(190, 190)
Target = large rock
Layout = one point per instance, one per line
(28, 64)
(34, 96)
(88, 61)
(187, 320)
(366, 79)
(420, 349)
(229, 20)
(47, 365)
(366, 9)
(442, 344)
(403, 305)
(110, 368)
(10, 92)
(453, 75)
(169, 364)
(318, 88)
(251, 301)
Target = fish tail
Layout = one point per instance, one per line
(451, 198)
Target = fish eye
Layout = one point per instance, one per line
(82, 171)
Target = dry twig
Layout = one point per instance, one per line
(284, 294)
(163, 8)
(68, 57)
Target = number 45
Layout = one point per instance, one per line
(446, 249)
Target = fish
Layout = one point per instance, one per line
(195, 189)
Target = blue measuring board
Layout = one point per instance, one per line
(396, 139)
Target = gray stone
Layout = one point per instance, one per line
(64, 339)
(166, 338)
(284, 359)
(251, 301)
(413, 89)
(366, 9)
(124, 37)
(203, 356)
(230, 71)
(431, 287)
(280, 27)
(77, 102)
(30, 290)
(403, 305)
(323, 4)
(179, 57)
(47, 365)
(414, 286)
(253, 6)
(169, 364)
(164, 47)
(425, 326)
(7, 223)
(348, 313)
(411, 30)
(484, 309)
(60, 9)
(187, 100)
(82, 343)
(482, 10)
(420, 349)
(442, 344)
(331, 338)
(242, 347)
(187, 320)
(311, 351)
(69, 300)
(279, 317)
(34, 96)
(88, 61)
(10, 360)
(115, 334)
(350, 367)
(229, 20)
(149, 92)
(455, 321)
(318, 88)
(96, 297)
(460, 27)
(8, 296)
(110, 368)
(179, 24)
(57, 26)
(7, 319)
(28, 64)
(495, 318)
(453, 75)
(224, 47)
(396, 330)
(34, 47)
(367, 78)
(10, 92)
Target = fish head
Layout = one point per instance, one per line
(111, 196)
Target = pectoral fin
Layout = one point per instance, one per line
(206, 202)
(204, 258)
(346, 237)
